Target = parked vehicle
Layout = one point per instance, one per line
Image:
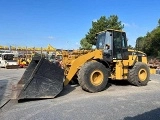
(7, 60)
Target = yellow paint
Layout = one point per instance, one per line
(121, 67)
(142, 74)
(96, 77)
(144, 59)
(152, 71)
(121, 70)
(75, 64)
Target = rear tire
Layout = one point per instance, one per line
(93, 77)
(139, 75)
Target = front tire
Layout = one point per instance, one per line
(93, 77)
(139, 75)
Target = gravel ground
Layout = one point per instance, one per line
(118, 102)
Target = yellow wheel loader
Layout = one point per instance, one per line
(92, 68)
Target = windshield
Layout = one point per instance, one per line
(101, 41)
(8, 57)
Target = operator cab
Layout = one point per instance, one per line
(114, 44)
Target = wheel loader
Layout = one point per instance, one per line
(92, 68)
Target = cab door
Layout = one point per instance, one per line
(120, 50)
(108, 47)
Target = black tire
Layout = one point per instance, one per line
(94, 70)
(139, 75)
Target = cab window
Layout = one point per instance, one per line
(101, 41)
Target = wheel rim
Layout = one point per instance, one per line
(96, 77)
(142, 74)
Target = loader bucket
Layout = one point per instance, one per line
(42, 79)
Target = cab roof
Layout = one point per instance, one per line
(109, 30)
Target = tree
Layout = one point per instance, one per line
(140, 43)
(151, 42)
(130, 47)
(155, 41)
(159, 23)
(85, 45)
(101, 24)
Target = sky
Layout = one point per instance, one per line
(63, 23)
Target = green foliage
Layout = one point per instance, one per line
(130, 47)
(158, 54)
(85, 45)
(150, 43)
(159, 23)
(101, 24)
(139, 43)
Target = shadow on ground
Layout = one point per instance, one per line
(150, 115)
(67, 89)
(119, 82)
